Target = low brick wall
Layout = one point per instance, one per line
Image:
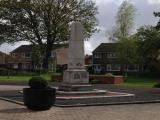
(107, 80)
(56, 78)
(101, 78)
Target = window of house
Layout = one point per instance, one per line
(113, 67)
(97, 55)
(133, 67)
(13, 54)
(111, 55)
(53, 54)
(97, 67)
(15, 66)
(27, 55)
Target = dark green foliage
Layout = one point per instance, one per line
(157, 14)
(17, 73)
(157, 85)
(148, 39)
(45, 22)
(94, 82)
(38, 82)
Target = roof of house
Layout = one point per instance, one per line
(106, 47)
(1, 52)
(22, 48)
(28, 48)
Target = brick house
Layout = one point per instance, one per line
(3, 57)
(21, 58)
(105, 60)
(88, 60)
(60, 58)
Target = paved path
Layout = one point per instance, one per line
(147, 95)
(10, 111)
(11, 87)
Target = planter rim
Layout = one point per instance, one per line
(39, 89)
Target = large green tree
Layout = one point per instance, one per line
(121, 33)
(124, 22)
(45, 22)
(148, 38)
(127, 52)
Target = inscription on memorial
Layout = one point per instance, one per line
(77, 76)
(79, 64)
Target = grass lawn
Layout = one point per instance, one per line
(129, 82)
(22, 78)
(139, 82)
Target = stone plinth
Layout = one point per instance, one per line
(76, 77)
(75, 87)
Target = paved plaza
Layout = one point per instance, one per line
(11, 111)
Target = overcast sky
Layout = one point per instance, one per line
(106, 17)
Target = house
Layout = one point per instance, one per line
(21, 58)
(105, 60)
(88, 63)
(60, 59)
(88, 60)
(2, 59)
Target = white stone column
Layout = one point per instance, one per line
(76, 47)
(76, 73)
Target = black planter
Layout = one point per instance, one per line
(39, 99)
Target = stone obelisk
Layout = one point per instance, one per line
(76, 73)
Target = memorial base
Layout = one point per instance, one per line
(76, 76)
(75, 87)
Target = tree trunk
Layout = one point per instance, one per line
(47, 56)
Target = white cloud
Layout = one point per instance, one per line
(106, 17)
(99, 2)
(88, 47)
(154, 1)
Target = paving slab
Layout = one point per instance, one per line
(141, 95)
(11, 111)
(12, 87)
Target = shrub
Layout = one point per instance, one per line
(94, 81)
(38, 82)
(109, 75)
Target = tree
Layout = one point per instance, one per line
(124, 22)
(157, 14)
(148, 38)
(45, 22)
(37, 57)
(121, 33)
(127, 52)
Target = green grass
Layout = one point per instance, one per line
(22, 78)
(130, 81)
(139, 82)
(14, 78)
